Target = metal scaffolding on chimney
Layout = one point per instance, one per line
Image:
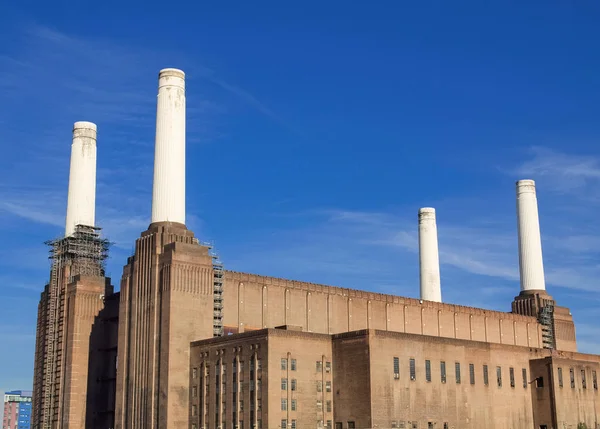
(84, 253)
(546, 319)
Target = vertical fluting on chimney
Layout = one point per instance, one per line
(168, 191)
(531, 263)
(429, 260)
(81, 200)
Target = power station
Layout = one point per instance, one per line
(188, 344)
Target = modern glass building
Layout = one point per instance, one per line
(17, 410)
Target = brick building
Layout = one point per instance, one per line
(155, 354)
(17, 410)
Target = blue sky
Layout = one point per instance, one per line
(315, 132)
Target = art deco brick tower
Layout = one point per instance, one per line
(72, 299)
(166, 288)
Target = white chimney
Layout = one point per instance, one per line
(168, 193)
(81, 200)
(429, 261)
(531, 264)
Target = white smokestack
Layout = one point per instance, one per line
(429, 260)
(531, 263)
(168, 193)
(81, 201)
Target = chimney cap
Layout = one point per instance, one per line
(79, 125)
(171, 72)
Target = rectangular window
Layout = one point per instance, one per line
(319, 404)
(539, 382)
(293, 368)
(396, 366)
(293, 384)
(560, 378)
(259, 404)
(251, 365)
(319, 386)
(194, 410)
(241, 405)
(294, 405)
(194, 372)
(511, 375)
(595, 380)
(319, 366)
(251, 385)
(351, 425)
(472, 373)
(329, 423)
(327, 366)
(583, 381)
(443, 371)
(457, 372)
(283, 423)
(499, 375)
(283, 364)
(524, 378)
(259, 421)
(428, 370)
(194, 391)
(284, 405)
(258, 364)
(284, 384)
(328, 386)
(413, 370)
(328, 406)
(293, 424)
(486, 381)
(572, 374)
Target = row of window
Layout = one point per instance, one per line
(239, 426)
(223, 368)
(583, 378)
(293, 365)
(294, 405)
(457, 373)
(293, 385)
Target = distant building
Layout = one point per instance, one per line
(17, 410)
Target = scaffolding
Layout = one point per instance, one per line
(217, 291)
(546, 319)
(85, 253)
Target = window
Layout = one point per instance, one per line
(443, 371)
(319, 386)
(293, 369)
(327, 366)
(194, 391)
(572, 374)
(595, 380)
(445, 425)
(259, 404)
(396, 366)
(413, 370)
(258, 364)
(329, 424)
(524, 378)
(499, 376)
(429, 425)
(241, 405)
(194, 410)
(259, 421)
(486, 381)
(251, 365)
(328, 386)
(194, 372)
(319, 404)
(471, 373)
(284, 384)
(428, 370)
(338, 425)
(457, 372)
(293, 384)
(241, 426)
(251, 386)
(351, 425)
(511, 375)
(293, 424)
(560, 379)
(283, 364)
(294, 405)
(539, 382)
(583, 381)
(319, 366)
(284, 405)
(328, 406)
(283, 423)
